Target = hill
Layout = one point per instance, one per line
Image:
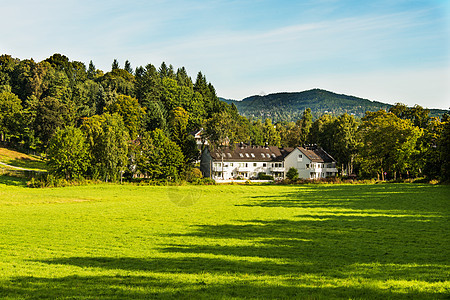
(290, 106)
(14, 160)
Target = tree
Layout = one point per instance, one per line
(10, 114)
(158, 157)
(417, 114)
(128, 67)
(444, 148)
(130, 111)
(428, 160)
(344, 141)
(179, 134)
(387, 144)
(271, 136)
(156, 116)
(178, 124)
(28, 79)
(51, 114)
(91, 71)
(107, 138)
(115, 65)
(306, 122)
(67, 153)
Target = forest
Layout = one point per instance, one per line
(290, 106)
(130, 122)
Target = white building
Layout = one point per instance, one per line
(246, 162)
(311, 162)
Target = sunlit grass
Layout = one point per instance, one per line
(312, 241)
(21, 160)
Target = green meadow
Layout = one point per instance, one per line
(111, 241)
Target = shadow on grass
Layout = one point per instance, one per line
(27, 163)
(152, 287)
(376, 236)
(13, 181)
(415, 198)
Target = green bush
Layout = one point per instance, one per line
(264, 176)
(292, 173)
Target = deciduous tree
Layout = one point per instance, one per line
(67, 153)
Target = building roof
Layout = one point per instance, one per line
(242, 152)
(316, 154)
(250, 153)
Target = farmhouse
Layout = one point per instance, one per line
(246, 162)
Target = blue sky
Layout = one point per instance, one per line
(389, 51)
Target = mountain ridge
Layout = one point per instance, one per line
(289, 106)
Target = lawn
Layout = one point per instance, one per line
(21, 160)
(112, 241)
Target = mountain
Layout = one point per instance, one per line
(290, 106)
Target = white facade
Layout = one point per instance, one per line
(247, 170)
(307, 168)
(246, 162)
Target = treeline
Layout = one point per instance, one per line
(288, 107)
(96, 124)
(404, 142)
(137, 122)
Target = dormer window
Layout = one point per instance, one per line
(241, 155)
(253, 155)
(262, 154)
(246, 155)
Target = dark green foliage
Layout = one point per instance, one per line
(128, 67)
(38, 98)
(292, 174)
(51, 114)
(264, 176)
(115, 65)
(157, 157)
(444, 149)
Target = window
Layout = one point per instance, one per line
(253, 155)
(229, 155)
(273, 155)
(254, 164)
(264, 165)
(262, 154)
(246, 155)
(231, 164)
(241, 155)
(307, 166)
(300, 157)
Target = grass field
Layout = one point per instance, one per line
(20, 160)
(200, 242)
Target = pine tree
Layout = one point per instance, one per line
(115, 65)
